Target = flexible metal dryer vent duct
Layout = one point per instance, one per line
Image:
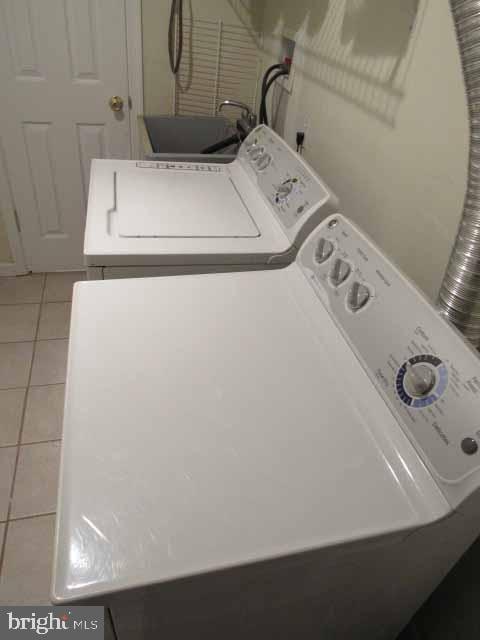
(459, 297)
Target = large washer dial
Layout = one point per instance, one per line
(285, 189)
(263, 161)
(256, 152)
(421, 381)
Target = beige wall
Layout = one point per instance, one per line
(157, 77)
(384, 110)
(5, 253)
(386, 118)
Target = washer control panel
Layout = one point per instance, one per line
(425, 370)
(292, 188)
(198, 167)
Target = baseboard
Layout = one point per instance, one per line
(11, 269)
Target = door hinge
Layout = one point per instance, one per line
(130, 103)
(17, 221)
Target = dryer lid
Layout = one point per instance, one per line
(181, 203)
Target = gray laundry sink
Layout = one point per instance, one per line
(189, 135)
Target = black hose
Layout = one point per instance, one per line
(279, 65)
(226, 142)
(176, 8)
(263, 103)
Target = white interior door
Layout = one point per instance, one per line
(60, 63)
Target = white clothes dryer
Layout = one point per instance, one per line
(161, 218)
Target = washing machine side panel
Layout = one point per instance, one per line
(95, 273)
(345, 593)
(115, 273)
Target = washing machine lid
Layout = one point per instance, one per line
(189, 201)
(218, 420)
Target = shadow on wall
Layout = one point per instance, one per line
(250, 13)
(359, 49)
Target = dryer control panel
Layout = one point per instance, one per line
(427, 373)
(293, 190)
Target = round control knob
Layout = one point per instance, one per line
(358, 296)
(340, 272)
(256, 152)
(419, 380)
(263, 161)
(324, 250)
(284, 190)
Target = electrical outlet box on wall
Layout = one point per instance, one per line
(287, 51)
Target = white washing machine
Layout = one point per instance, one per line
(154, 218)
(275, 454)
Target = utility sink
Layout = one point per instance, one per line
(185, 135)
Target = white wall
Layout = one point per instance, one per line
(157, 77)
(386, 118)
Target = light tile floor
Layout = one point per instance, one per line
(34, 329)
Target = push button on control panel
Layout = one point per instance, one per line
(469, 446)
(324, 250)
(340, 272)
(358, 296)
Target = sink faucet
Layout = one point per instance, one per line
(247, 113)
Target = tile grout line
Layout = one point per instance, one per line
(16, 304)
(32, 339)
(20, 433)
(34, 386)
(26, 444)
(36, 515)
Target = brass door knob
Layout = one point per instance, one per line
(116, 103)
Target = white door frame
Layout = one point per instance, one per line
(133, 17)
(133, 30)
(7, 209)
